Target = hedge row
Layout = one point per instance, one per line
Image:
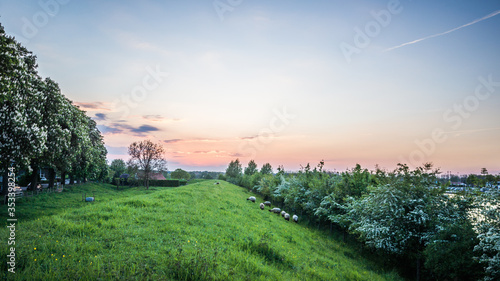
(161, 183)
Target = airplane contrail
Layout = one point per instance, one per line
(446, 32)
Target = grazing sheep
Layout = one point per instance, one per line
(283, 213)
(275, 210)
(287, 216)
(295, 218)
(262, 206)
(267, 203)
(251, 198)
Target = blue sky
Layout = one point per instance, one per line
(271, 80)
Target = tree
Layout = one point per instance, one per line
(147, 157)
(23, 134)
(117, 167)
(251, 168)
(399, 217)
(180, 174)
(489, 234)
(233, 171)
(266, 169)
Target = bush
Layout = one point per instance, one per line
(159, 183)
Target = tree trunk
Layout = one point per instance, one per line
(5, 184)
(418, 269)
(34, 176)
(52, 176)
(71, 178)
(331, 228)
(63, 178)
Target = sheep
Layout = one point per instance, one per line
(287, 216)
(283, 213)
(275, 210)
(267, 203)
(262, 206)
(295, 218)
(251, 198)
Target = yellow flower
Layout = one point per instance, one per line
(51, 255)
(56, 259)
(35, 248)
(188, 241)
(35, 259)
(63, 256)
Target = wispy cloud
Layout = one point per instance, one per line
(117, 128)
(446, 32)
(465, 132)
(93, 106)
(100, 116)
(172, 140)
(144, 129)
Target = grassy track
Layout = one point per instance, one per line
(201, 231)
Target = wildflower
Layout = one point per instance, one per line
(35, 248)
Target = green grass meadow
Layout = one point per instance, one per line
(201, 231)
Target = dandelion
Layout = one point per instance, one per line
(56, 259)
(35, 248)
(63, 256)
(35, 259)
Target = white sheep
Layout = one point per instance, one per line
(283, 213)
(295, 218)
(251, 198)
(275, 210)
(267, 203)
(287, 216)
(262, 206)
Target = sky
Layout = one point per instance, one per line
(285, 82)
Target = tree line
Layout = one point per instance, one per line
(404, 216)
(40, 127)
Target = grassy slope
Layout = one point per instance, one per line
(200, 231)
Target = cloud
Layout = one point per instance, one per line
(249, 138)
(446, 32)
(92, 106)
(109, 130)
(100, 116)
(144, 129)
(172, 140)
(117, 128)
(156, 117)
(117, 150)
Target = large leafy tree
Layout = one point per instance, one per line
(251, 168)
(180, 174)
(266, 169)
(402, 216)
(23, 135)
(117, 167)
(147, 158)
(233, 171)
(488, 228)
